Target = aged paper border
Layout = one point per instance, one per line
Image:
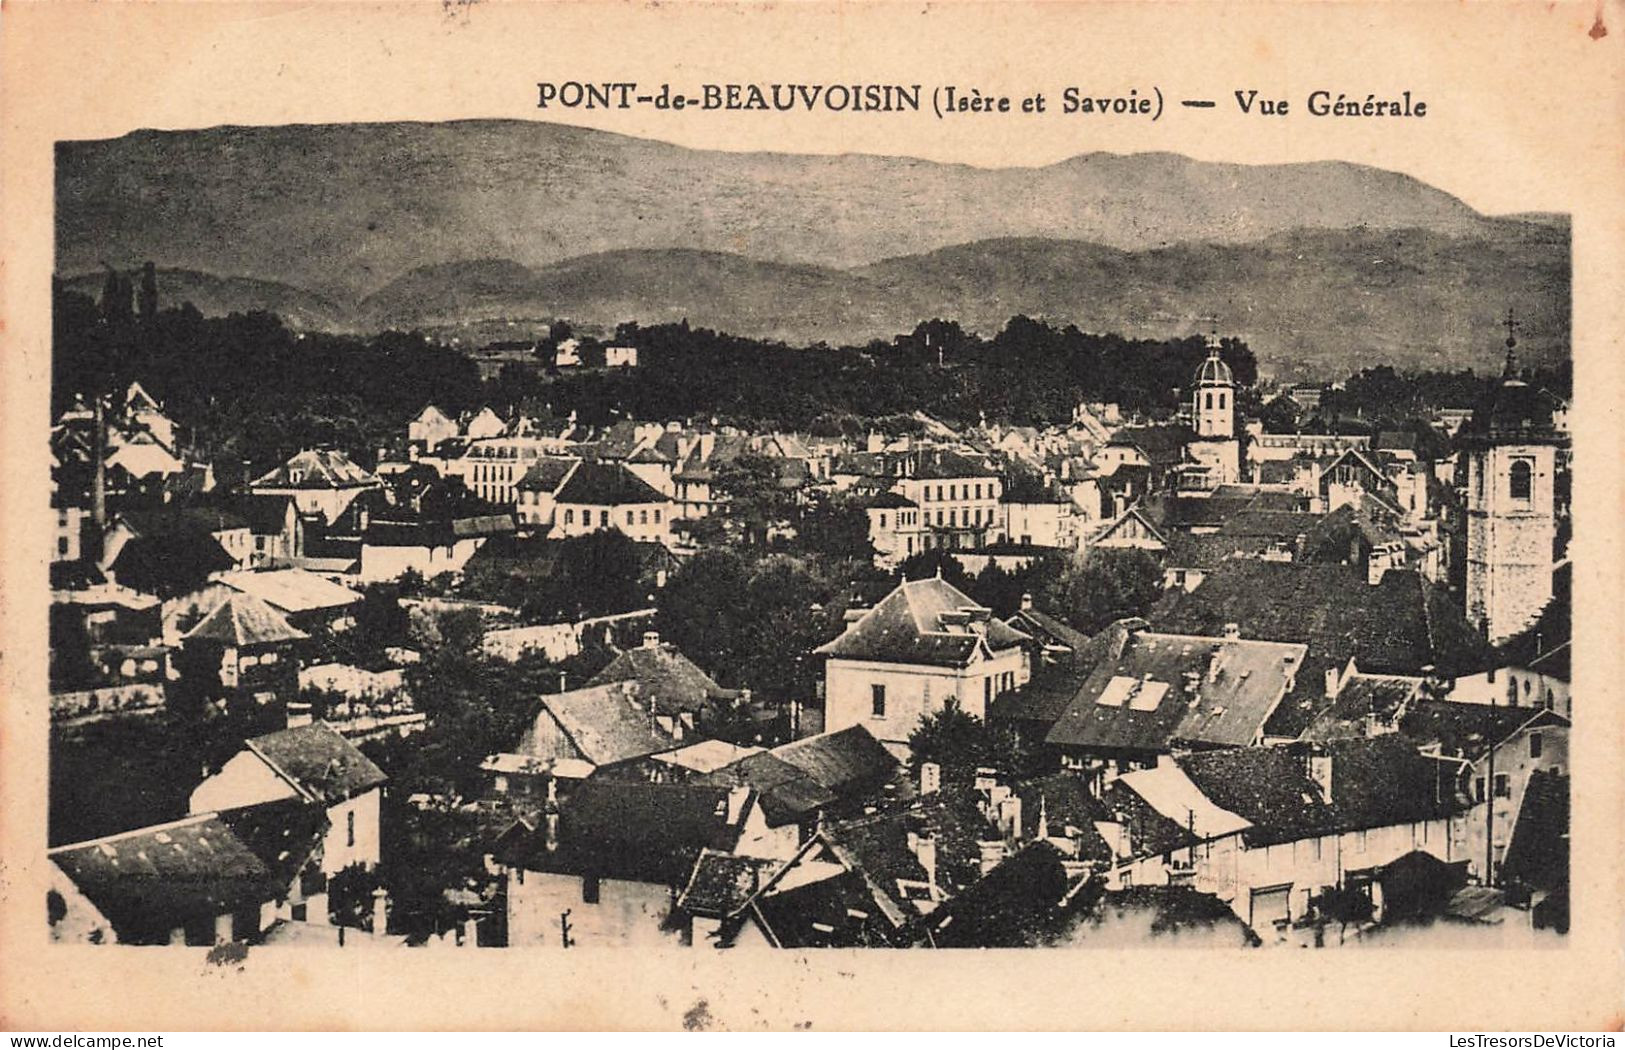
(1527, 113)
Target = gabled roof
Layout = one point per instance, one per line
(244, 620)
(265, 515)
(1165, 689)
(605, 723)
(174, 519)
(1468, 730)
(1362, 701)
(606, 485)
(786, 792)
(292, 590)
(927, 621)
(317, 469)
(637, 831)
(721, 883)
(1400, 625)
(1037, 624)
(318, 763)
(151, 881)
(1270, 795)
(843, 762)
(947, 464)
(667, 680)
(1162, 445)
(1016, 905)
(547, 474)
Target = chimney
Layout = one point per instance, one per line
(551, 823)
(1320, 771)
(1232, 631)
(925, 851)
(737, 797)
(651, 639)
(1376, 566)
(1193, 684)
(930, 778)
(380, 912)
(991, 852)
(1332, 682)
(1026, 601)
(471, 933)
(1043, 816)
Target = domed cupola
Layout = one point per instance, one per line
(1213, 371)
(1213, 399)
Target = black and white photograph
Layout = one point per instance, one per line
(500, 533)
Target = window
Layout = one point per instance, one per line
(589, 889)
(62, 545)
(569, 517)
(877, 701)
(978, 491)
(1534, 745)
(603, 519)
(630, 519)
(349, 828)
(1221, 398)
(1503, 786)
(987, 690)
(1523, 480)
(1478, 789)
(1209, 399)
(657, 517)
(883, 521)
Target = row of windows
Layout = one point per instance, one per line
(1223, 399)
(959, 491)
(973, 516)
(639, 517)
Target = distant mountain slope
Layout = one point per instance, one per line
(1340, 298)
(346, 209)
(216, 296)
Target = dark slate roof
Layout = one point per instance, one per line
(318, 762)
(1538, 855)
(945, 464)
(1363, 701)
(547, 475)
(666, 678)
(1016, 905)
(1467, 730)
(1141, 700)
(877, 846)
(837, 912)
(153, 880)
(244, 620)
(606, 485)
(1163, 444)
(786, 793)
(642, 832)
(722, 883)
(1062, 801)
(265, 515)
(1399, 625)
(1041, 626)
(605, 723)
(891, 499)
(179, 555)
(921, 622)
(173, 519)
(844, 762)
(1514, 411)
(1375, 783)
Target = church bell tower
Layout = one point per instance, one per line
(1512, 447)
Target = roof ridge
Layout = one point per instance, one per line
(180, 822)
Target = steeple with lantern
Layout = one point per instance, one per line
(1213, 396)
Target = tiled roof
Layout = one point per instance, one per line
(547, 474)
(786, 793)
(243, 620)
(605, 723)
(318, 762)
(1399, 625)
(1538, 855)
(1167, 688)
(843, 762)
(1364, 700)
(606, 485)
(151, 881)
(292, 590)
(722, 883)
(1016, 905)
(317, 469)
(637, 831)
(922, 622)
(666, 679)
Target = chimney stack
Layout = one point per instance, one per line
(1332, 683)
(380, 912)
(925, 851)
(930, 778)
(1232, 632)
(551, 822)
(651, 639)
(1026, 601)
(1320, 771)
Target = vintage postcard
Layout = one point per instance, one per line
(835, 515)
